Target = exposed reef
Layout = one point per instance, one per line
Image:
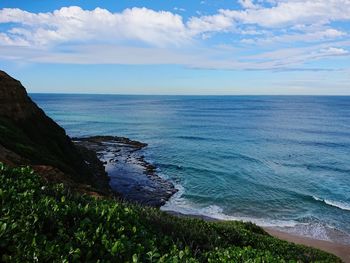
(130, 174)
(29, 137)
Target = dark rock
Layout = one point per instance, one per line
(27, 132)
(130, 174)
(29, 137)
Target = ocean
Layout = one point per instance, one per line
(278, 161)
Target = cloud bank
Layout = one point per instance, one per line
(145, 36)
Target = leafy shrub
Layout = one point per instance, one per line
(41, 222)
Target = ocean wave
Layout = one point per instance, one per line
(321, 144)
(339, 204)
(319, 231)
(317, 167)
(194, 138)
(308, 228)
(325, 144)
(180, 205)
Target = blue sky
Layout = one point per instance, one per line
(178, 47)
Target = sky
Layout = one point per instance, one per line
(208, 47)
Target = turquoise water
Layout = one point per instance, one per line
(279, 161)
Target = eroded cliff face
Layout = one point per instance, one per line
(14, 101)
(29, 136)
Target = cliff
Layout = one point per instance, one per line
(47, 222)
(29, 136)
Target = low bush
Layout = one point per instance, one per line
(43, 222)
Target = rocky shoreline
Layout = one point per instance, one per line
(130, 175)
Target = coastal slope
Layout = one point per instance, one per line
(29, 136)
(45, 222)
(44, 219)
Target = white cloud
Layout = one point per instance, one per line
(180, 9)
(163, 28)
(75, 24)
(14, 41)
(145, 36)
(69, 24)
(286, 13)
(249, 4)
(316, 36)
(219, 57)
(214, 23)
(296, 57)
(332, 51)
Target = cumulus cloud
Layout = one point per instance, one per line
(69, 24)
(75, 24)
(204, 24)
(286, 13)
(164, 28)
(142, 35)
(249, 4)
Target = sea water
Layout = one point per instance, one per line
(279, 161)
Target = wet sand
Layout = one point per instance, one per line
(340, 250)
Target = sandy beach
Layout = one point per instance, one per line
(340, 250)
(124, 156)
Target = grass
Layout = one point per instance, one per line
(43, 222)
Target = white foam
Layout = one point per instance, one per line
(180, 205)
(314, 230)
(338, 204)
(317, 199)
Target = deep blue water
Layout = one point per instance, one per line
(276, 160)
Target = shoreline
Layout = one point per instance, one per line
(340, 250)
(135, 180)
(130, 175)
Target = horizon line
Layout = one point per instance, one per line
(183, 95)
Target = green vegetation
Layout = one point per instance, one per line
(23, 141)
(48, 223)
(41, 141)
